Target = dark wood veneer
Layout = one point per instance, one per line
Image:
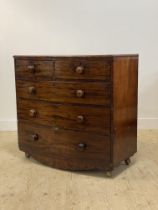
(77, 112)
(85, 70)
(97, 93)
(53, 142)
(96, 119)
(125, 87)
(34, 69)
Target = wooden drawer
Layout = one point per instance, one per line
(86, 70)
(84, 118)
(76, 148)
(68, 92)
(34, 69)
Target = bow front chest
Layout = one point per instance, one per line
(77, 112)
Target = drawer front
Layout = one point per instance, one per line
(73, 146)
(71, 69)
(34, 69)
(69, 92)
(83, 118)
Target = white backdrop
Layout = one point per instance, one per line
(51, 27)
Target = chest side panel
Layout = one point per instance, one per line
(124, 126)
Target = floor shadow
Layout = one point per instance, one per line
(12, 148)
(102, 174)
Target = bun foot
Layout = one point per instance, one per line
(27, 155)
(127, 161)
(109, 174)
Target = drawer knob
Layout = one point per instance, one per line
(79, 69)
(35, 137)
(32, 90)
(31, 68)
(82, 146)
(79, 93)
(56, 129)
(80, 119)
(33, 113)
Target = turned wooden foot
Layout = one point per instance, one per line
(27, 155)
(109, 174)
(127, 161)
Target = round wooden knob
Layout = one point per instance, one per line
(32, 113)
(80, 119)
(56, 129)
(35, 137)
(31, 68)
(82, 146)
(79, 93)
(79, 69)
(32, 90)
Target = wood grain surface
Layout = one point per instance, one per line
(125, 88)
(90, 69)
(51, 142)
(34, 69)
(93, 93)
(96, 119)
(89, 101)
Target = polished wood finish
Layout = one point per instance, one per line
(34, 69)
(77, 112)
(95, 119)
(125, 85)
(68, 148)
(83, 69)
(66, 92)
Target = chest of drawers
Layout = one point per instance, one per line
(77, 112)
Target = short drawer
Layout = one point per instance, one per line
(85, 70)
(34, 69)
(73, 146)
(83, 118)
(68, 92)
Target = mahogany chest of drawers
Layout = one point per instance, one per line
(77, 112)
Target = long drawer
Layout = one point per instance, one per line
(68, 92)
(73, 146)
(84, 118)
